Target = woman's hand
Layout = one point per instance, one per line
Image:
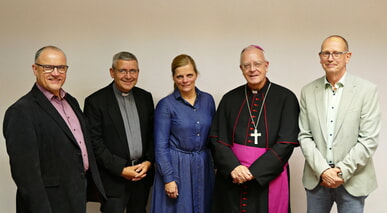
(171, 190)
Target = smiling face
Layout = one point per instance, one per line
(334, 66)
(125, 74)
(254, 67)
(184, 78)
(51, 81)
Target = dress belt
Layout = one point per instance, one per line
(188, 152)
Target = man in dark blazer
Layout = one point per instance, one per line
(121, 121)
(48, 144)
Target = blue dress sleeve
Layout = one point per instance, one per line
(162, 126)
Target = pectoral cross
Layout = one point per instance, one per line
(256, 134)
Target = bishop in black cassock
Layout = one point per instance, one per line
(253, 136)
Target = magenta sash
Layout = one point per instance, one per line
(278, 188)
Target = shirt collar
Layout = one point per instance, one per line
(49, 95)
(177, 94)
(340, 83)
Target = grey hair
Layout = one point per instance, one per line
(126, 56)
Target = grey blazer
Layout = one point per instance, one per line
(356, 133)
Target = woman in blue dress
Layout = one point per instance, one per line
(184, 170)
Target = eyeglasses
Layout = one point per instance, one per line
(246, 67)
(125, 72)
(333, 54)
(50, 68)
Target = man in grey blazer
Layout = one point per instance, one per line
(339, 127)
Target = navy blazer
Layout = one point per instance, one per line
(45, 158)
(109, 138)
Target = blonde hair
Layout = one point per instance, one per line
(182, 60)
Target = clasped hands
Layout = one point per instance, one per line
(136, 172)
(241, 174)
(330, 178)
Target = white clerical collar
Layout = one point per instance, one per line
(118, 92)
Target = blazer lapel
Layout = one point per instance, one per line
(140, 103)
(115, 114)
(54, 114)
(74, 105)
(349, 92)
(319, 98)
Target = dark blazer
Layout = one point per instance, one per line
(109, 138)
(45, 158)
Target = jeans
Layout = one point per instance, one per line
(320, 200)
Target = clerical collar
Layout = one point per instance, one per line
(118, 92)
(263, 89)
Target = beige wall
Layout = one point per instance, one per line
(213, 32)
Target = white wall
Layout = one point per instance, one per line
(213, 32)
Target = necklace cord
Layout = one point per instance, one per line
(255, 124)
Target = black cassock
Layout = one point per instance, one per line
(233, 143)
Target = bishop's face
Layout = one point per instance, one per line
(254, 67)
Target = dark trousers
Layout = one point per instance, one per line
(134, 200)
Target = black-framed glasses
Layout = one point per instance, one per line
(333, 54)
(50, 68)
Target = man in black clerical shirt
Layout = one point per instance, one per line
(121, 121)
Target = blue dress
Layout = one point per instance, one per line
(182, 153)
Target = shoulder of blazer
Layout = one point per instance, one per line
(140, 91)
(314, 84)
(103, 95)
(358, 81)
(141, 95)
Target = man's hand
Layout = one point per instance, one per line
(136, 172)
(331, 179)
(241, 174)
